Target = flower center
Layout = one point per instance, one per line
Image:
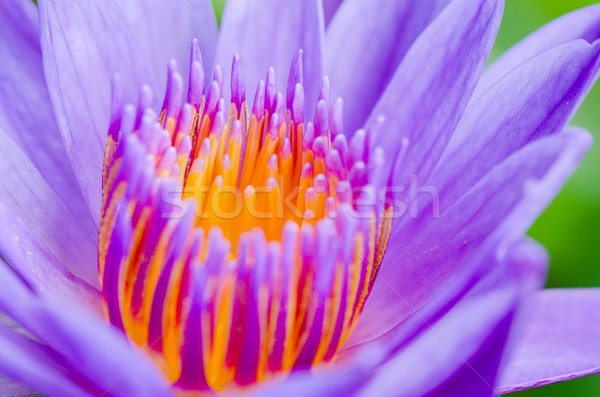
(236, 245)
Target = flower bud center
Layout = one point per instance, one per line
(236, 244)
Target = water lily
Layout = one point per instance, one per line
(168, 229)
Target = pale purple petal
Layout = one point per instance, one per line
(32, 364)
(555, 82)
(560, 341)
(97, 355)
(26, 113)
(461, 353)
(364, 45)
(168, 27)
(426, 253)
(26, 195)
(431, 88)
(536, 99)
(34, 261)
(269, 33)
(580, 24)
(83, 45)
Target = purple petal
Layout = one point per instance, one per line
(36, 263)
(427, 253)
(380, 33)
(97, 355)
(168, 28)
(432, 86)
(26, 114)
(269, 33)
(83, 45)
(580, 24)
(536, 99)
(493, 127)
(51, 221)
(31, 364)
(461, 353)
(560, 341)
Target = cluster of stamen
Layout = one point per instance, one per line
(236, 245)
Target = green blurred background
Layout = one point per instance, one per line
(568, 228)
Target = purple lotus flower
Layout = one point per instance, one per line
(288, 242)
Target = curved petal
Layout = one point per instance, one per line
(432, 86)
(169, 26)
(431, 250)
(34, 261)
(269, 33)
(360, 67)
(81, 342)
(538, 98)
(84, 44)
(461, 353)
(31, 364)
(49, 220)
(26, 114)
(580, 24)
(560, 341)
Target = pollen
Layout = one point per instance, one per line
(237, 244)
